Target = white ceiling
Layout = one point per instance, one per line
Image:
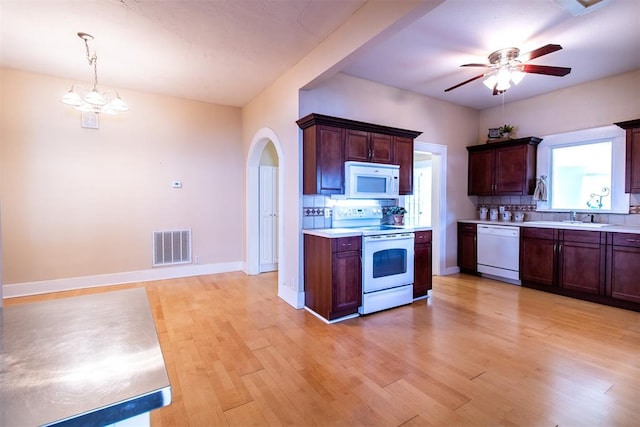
(228, 51)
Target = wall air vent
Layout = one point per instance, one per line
(171, 247)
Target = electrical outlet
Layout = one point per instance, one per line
(196, 259)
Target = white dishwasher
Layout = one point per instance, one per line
(499, 251)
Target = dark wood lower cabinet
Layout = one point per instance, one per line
(538, 256)
(581, 261)
(333, 275)
(590, 265)
(467, 247)
(422, 265)
(623, 281)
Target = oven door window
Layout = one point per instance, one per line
(389, 262)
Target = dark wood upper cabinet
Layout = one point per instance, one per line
(368, 147)
(503, 168)
(632, 164)
(330, 141)
(403, 156)
(323, 157)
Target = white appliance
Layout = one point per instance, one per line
(387, 271)
(364, 180)
(499, 251)
(387, 257)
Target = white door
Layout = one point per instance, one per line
(268, 218)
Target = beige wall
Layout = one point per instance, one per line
(277, 109)
(598, 103)
(83, 202)
(440, 123)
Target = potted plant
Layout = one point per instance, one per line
(505, 131)
(398, 214)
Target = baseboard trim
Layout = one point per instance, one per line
(293, 297)
(14, 290)
(450, 270)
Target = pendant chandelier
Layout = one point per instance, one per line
(92, 100)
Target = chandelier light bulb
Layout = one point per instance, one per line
(94, 98)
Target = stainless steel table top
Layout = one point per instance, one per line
(87, 360)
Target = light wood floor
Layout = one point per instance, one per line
(479, 352)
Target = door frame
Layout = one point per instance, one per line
(252, 228)
(439, 192)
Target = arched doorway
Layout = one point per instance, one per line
(265, 138)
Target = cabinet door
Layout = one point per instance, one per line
(346, 295)
(632, 172)
(467, 258)
(581, 267)
(481, 166)
(330, 168)
(403, 156)
(422, 270)
(356, 145)
(624, 267)
(510, 163)
(537, 256)
(381, 148)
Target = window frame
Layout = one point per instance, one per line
(619, 199)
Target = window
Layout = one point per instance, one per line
(585, 171)
(581, 176)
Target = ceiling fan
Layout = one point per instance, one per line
(507, 65)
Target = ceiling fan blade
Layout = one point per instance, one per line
(541, 51)
(546, 70)
(476, 65)
(479, 76)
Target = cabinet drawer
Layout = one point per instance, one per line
(343, 244)
(581, 236)
(537, 233)
(626, 239)
(467, 228)
(422, 237)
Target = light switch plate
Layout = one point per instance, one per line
(176, 184)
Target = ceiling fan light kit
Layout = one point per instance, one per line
(507, 66)
(92, 101)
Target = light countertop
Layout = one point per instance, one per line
(87, 360)
(612, 228)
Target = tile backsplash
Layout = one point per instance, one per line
(317, 210)
(528, 206)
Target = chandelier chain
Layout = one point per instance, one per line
(93, 61)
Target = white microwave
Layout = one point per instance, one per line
(364, 180)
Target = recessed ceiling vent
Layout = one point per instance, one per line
(171, 247)
(580, 7)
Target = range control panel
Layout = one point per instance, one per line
(357, 212)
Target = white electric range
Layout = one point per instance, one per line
(387, 257)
